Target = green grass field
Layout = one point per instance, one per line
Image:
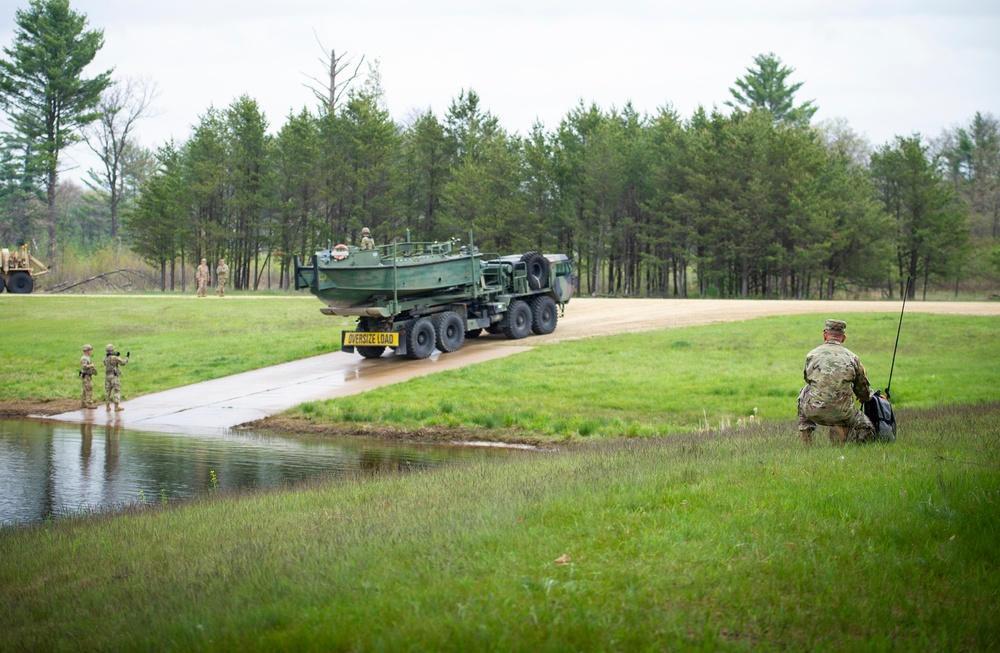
(720, 539)
(734, 541)
(174, 339)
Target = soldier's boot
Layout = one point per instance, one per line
(840, 434)
(118, 408)
(107, 407)
(91, 406)
(807, 436)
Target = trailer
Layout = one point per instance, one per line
(415, 297)
(18, 270)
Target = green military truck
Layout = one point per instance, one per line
(413, 297)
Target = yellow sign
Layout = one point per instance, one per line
(371, 339)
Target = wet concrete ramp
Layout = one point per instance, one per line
(224, 403)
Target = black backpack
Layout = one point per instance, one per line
(879, 411)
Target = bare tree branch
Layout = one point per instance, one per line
(121, 106)
(330, 90)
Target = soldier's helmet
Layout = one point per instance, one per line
(87, 348)
(110, 349)
(365, 232)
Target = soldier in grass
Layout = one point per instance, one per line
(834, 377)
(87, 372)
(113, 378)
(223, 276)
(202, 276)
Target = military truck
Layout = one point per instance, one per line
(18, 270)
(413, 297)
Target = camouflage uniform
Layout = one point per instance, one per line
(202, 276)
(834, 377)
(112, 378)
(366, 240)
(223, 276)
(87, 372)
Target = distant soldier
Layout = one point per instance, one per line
(834, 377)
(222, 272)
(87, 372)
(112, 377)
(366, 239)
(202, 276)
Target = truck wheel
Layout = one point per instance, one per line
(544, 315)
(420, 339)
(494, 328)
(1, 284)
(21, 283)
(538, 270)
(518, 324)
(450, 330)
(370, 352)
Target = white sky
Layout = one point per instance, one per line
(886, 66)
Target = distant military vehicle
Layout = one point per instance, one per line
(415, 296)
(18, 270)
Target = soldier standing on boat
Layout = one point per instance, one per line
(87, 372)
(367, 242)
(112, 378)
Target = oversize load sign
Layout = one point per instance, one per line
(371, 339)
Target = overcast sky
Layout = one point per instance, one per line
(889, 67)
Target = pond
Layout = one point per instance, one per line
(50, 469)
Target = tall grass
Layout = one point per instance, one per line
(704, 541)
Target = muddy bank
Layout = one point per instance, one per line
(24, 408)
(291, 425)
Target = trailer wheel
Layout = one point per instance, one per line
(450, 330)
(538, 270)
(420, 339)
(518, 324)
(21, 283)
(544, 315)
(473, 333)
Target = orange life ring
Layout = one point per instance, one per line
(340, 252)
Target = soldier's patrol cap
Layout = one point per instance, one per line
(836, 325)
(109, 348)
(87, 348)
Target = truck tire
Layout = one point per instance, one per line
(450, 330)
(1, 284)
(538, 270)
(20, 283)
(494, 328)
(518, 322)
(544, 315)
(369, 352)
(420, 339)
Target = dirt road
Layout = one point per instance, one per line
(250, 396)
(586, 317)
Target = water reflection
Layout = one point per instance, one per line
(53, 469)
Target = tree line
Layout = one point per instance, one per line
(753, 202)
